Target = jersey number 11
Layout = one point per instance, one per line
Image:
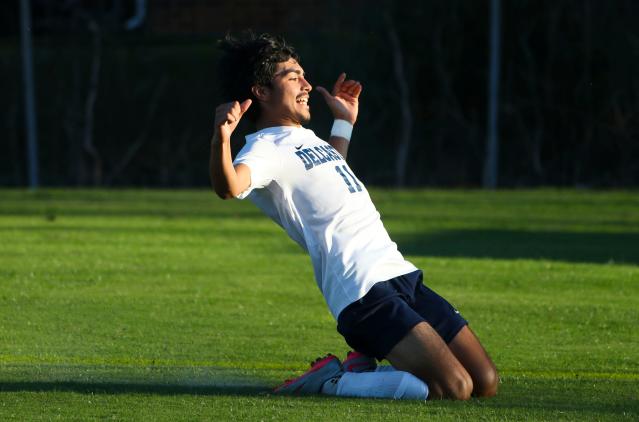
(343, 171)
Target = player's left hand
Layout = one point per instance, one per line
(344, 100)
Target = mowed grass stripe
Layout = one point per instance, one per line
(173, 305)
(87, 367)
(88, 363)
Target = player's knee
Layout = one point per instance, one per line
(460, 387)
(487, 383)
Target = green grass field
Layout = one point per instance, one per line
(174, 305)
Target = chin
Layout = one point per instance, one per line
(305, 118)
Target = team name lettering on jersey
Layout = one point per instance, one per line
(316, 156)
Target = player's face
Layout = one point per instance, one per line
(289, 93)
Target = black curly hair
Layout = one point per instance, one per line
(250, 60)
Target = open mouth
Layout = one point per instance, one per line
(302, 100)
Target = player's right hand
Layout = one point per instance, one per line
(227, 116)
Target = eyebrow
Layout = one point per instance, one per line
(285, 72)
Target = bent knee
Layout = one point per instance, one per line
(459, 387)
(487, 384)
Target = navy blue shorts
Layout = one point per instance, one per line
(374, 324)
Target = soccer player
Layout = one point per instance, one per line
(304, 184)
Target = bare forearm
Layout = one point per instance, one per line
(344, 105)
(223, 175)
(228, 181)
(340, 144)
(341, 135)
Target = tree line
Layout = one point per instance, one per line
(120, 108)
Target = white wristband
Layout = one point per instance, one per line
(342, 128)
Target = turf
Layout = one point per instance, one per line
(174, 305)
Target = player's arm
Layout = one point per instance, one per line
(228, 181)
(343, 102)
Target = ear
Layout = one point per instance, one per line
(260, 92)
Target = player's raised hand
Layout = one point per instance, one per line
(227, 116)
(344, 99)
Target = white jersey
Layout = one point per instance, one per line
(305, 186)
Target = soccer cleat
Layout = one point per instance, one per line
(311, 381)
(358, 362)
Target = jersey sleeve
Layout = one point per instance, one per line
(262, 159)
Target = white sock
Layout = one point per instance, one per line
(382, 385)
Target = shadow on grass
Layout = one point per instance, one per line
(590, 397)
(591, 247)
(114, 379)
(132, 388)
(52, 213)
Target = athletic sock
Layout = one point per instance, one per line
(382, 385)
(330, 386)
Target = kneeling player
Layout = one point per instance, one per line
(304, 184)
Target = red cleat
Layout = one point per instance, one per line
(358, 362)
(311, 381)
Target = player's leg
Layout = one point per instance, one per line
(410, 325)
(364, 378)
(423, 353)
(471, 354)
(462, 342)
(383, 324)
(397, 385)
(327, 376)
(464, 346)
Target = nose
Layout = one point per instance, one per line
(306, 85)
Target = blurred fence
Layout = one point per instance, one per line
(569, 103)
